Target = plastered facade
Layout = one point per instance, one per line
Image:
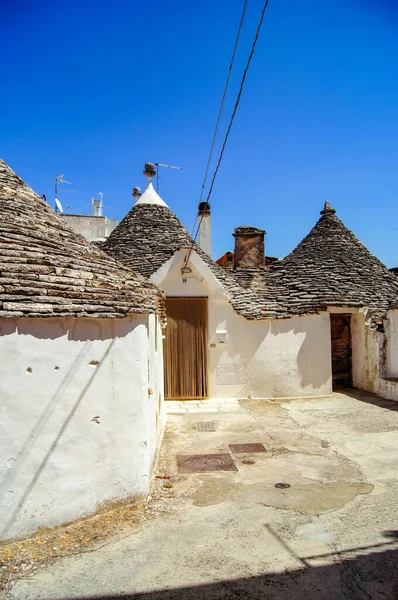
(391, 328)
(91, 227)
(374, 355)
(258, 359)
(81, 416)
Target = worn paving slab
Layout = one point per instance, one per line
(332, 535)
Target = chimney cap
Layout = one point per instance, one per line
(203, 207)
(248, 230)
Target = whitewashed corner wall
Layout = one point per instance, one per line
(156, 414)
(374, 356)
(261, 359)
(391, 327)
(78, 424)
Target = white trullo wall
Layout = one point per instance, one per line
(79, 425)
(261, 359)
(391, 328)
(374, 355)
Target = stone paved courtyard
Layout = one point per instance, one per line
(330, 532)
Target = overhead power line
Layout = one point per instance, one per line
(220, 112)
(238, 98)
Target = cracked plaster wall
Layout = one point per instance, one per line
(375, 356)
(81, 415)
(391, 327)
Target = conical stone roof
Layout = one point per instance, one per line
(150, 234)
(330, 267)
(48, 270)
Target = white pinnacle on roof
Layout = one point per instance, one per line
(150, 197)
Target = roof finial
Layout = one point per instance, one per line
(149, 171)
(327, 209)
(136, 192)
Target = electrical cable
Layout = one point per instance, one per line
(238, 98)
(220, 112)
(221, 109)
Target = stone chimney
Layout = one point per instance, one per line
(249, 247)
(204, 220)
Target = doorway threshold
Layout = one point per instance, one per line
(210, 405)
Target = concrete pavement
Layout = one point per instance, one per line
(232, 534)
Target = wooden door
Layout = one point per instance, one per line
(185, 349)
(340, 327)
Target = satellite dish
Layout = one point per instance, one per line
(59, 205)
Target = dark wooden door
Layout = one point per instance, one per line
(340, 327)
(185, 349)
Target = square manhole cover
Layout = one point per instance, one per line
(204, 463)
(206, 426)
(243, 448)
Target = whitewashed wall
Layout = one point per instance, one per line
(374, 356)
(391, 327)
(78, 427)
(365, 353)
(261, 359)
(156, 413)
(92, 228)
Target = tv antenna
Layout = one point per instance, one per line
(59, 179)
(157, 172)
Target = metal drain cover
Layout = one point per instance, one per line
(206, 426)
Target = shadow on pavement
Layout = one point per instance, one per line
(369, 398)
(368, 576)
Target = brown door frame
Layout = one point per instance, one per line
(205, 350)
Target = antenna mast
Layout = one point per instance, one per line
(157, 172)
(57, 181)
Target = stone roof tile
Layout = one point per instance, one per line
(394, 304)
(48, 270)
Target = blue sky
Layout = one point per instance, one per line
(95, 89)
